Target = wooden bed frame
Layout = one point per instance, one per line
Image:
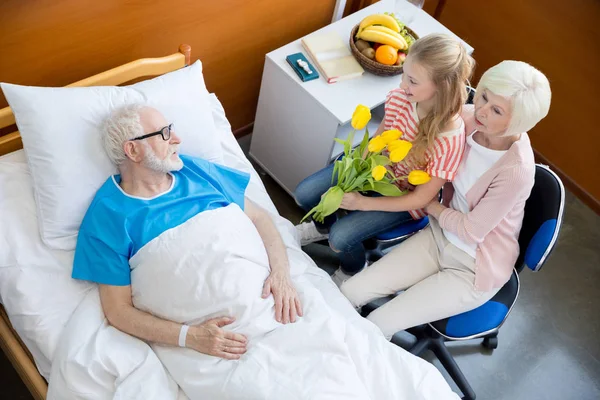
(10, 342)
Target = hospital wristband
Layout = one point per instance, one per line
(183, 334)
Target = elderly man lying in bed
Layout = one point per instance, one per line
(183, 258)
(157, 190)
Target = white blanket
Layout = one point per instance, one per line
(215, 265)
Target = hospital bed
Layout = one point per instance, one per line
(39, 300)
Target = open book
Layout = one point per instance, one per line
(332, 56)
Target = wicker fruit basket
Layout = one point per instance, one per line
(373, 66)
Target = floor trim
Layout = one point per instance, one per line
(244, 130)
(573, 186)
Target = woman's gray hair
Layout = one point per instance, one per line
(527, 89)
(122, 125)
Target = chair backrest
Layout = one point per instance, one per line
(470, 95)
(542, 221)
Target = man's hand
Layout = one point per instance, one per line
(352, 201)
(209, 338)
(287, 303)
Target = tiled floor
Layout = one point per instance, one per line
(550, 345)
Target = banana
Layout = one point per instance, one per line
(383, 29)
(379, 19)
(371, 35)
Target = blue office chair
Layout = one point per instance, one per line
(541, 226)
(378, 246)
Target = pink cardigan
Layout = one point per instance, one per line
(496, 203)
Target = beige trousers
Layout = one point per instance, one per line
(437, 279)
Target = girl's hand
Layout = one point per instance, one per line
(352, 201)
(434, 208)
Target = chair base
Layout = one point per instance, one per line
(490, 342)
(428, 339)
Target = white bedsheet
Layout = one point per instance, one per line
(61, 322)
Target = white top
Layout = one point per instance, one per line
(342, 97)
(478, 161)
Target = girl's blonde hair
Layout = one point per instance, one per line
(449, 67)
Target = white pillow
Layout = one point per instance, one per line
(60, 128)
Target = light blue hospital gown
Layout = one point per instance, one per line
(117, 225)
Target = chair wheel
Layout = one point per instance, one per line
(490, 343)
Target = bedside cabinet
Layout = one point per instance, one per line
(297, 121)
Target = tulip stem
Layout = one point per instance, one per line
(398, 178)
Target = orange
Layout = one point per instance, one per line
(386, 54)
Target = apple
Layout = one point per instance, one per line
(376, 46)
(401, 58)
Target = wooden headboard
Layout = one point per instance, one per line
(54, 43)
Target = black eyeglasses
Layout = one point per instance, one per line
(164, 132)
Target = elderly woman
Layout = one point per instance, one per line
(468, 252)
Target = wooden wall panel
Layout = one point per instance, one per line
(56, 42)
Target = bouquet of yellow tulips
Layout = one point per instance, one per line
(364, 168)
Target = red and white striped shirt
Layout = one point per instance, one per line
(443, 158)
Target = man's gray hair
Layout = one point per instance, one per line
(122, 125)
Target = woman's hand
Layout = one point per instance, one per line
(287, 302)
(352, 201)
(210, 338)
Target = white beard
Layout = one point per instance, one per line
(154, 163)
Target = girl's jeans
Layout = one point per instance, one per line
(346, 233)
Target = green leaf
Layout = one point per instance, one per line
(364, 166)
(386, 180)
(364, 144)
(334, 173)
(349, 180)
(331, 200)
(348, 144)
(365, 172)
(347, 164)
(372, 163)
(340, 141)
(381, 160)
(387, 189)
(371, 183)
(358, 184)
(347, 168)
(312, 212)
(355, 172)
